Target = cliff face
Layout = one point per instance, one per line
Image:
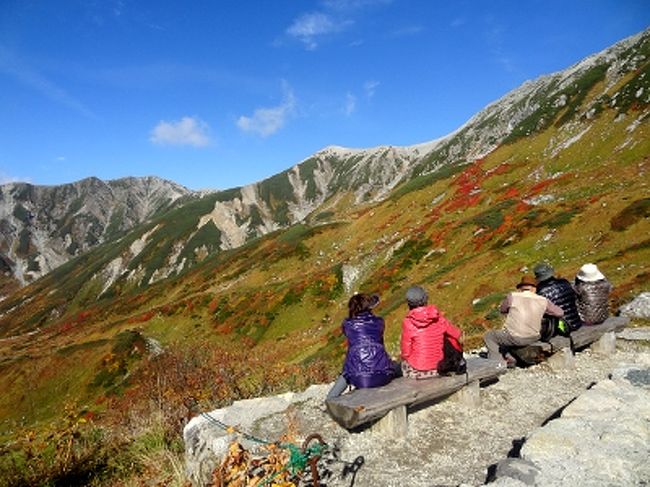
(42, 227)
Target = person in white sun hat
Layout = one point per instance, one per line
(592, 294)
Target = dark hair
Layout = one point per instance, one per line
(358, 304)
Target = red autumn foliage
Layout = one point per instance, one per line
(511, 193)
(144, 317)
(502, 168)
(67, 326)
(537, 188)
(522, 207)
(595, 198)
(468, 185)
(83, 316)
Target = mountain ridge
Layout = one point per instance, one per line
(243, 213)
(43, 226)
(328, 185)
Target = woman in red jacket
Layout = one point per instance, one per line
(424, 333)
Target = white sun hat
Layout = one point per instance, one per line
(590, 273)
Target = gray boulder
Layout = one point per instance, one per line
(255, 421)
(639, 307)
(601, 438)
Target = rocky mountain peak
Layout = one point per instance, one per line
(42, 227)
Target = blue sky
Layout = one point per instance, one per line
(217, 94)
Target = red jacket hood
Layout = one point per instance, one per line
(423, 316)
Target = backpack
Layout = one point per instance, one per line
(453, 361)
(552, 326)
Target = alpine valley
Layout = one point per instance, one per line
(129, 303)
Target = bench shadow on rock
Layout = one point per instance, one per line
(514, 452)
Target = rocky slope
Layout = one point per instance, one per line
(42, 227)
(371, 174)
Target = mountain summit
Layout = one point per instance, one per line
(42, 227)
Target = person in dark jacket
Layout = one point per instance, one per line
(558, 291)
(367, 364)
(592, 290)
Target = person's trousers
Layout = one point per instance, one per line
(498, 342)
(339, 386)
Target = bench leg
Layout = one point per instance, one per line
(605, 345)
(393, 425)
(469, 396)
(562, 359)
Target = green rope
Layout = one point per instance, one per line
(226, 427)
(297, 458)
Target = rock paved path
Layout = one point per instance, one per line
(449, 444)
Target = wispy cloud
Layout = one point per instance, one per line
(409, 30)
(101, 13)
(32, 79)
(333, 17)
(267, 121)
(350, 104)
(354, 4)
(458, 22)
(370, 88)
(495, 35)
(311, 27)
(187, 131)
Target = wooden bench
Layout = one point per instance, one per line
(559, 350)
(389, 403)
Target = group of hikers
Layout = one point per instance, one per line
(430, 345)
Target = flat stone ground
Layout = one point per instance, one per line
(449, 444)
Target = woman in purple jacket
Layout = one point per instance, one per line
(367, 364)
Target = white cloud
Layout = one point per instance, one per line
(370, 87)
(350, 104)
(309, 27)
(187, 131)
(267, 121)
(60, 158)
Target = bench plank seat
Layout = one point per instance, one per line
(582, 337)
(364, 405)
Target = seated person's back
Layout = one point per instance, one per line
(424, 332)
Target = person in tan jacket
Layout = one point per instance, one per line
(524, 311)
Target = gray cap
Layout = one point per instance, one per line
(543, 271)
(416, 296)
